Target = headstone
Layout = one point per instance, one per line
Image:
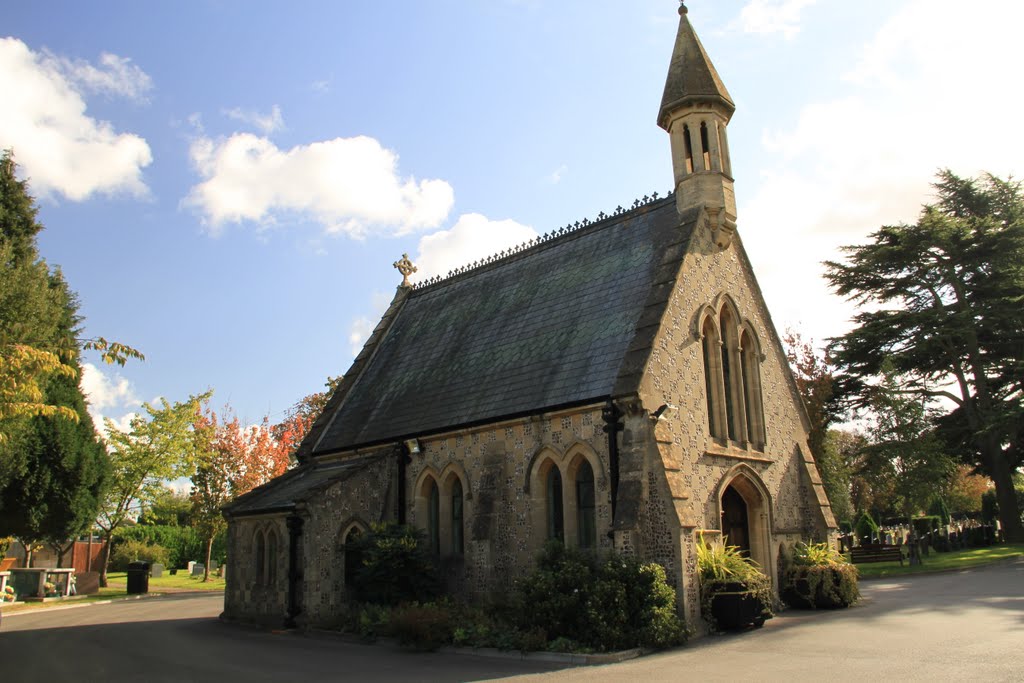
(213, 565)
(222, 570)
(191, 565)
(197, 568)
(156, 570)
(87, 583)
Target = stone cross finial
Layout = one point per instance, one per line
(406, 268)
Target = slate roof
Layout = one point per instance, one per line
(567, 321)
(691, 75)
(285, 492)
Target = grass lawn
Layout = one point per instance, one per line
(117, 583)
(936, 562)
(178, 582)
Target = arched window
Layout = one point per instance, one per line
(555, 519)
(705, 146)
(752, 391)
(586, 523)
(271, 557)
(713, 377)
(688, 145)
(458, 545)
(732, 378)
(260, 551)
(353, 555)
(434, 517)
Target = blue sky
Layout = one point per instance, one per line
(226, 184)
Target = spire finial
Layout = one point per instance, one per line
(682, 7)
(406, 268)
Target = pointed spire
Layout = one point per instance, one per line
(691, 75)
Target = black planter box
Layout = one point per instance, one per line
(734, 608)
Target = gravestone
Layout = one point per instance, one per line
(213, 566)
(190, 565)
(156, 570)
(222, 570)
(87, 583)
(198, 569)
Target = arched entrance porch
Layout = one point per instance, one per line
(745, 511)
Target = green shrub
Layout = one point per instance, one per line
(183, 543)
(938, 509)
(609, 603)
(425, 627)
(926, 525)
(720, 567)
(865, 528)
(819, 576)
(126, 552)
(396, 566)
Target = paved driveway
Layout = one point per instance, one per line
(964, 626)
(967, 626)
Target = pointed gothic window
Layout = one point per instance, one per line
(705, 146)
(688, 145)
(353, 556)
(752, 391)
(271, 558)
(555, 519)
(457, 537)
(712, 377)
(586, 523)
(732, 378)
(260, 551)
(434, 518)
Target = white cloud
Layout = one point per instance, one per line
(772, 16)
(115, 76)
(265, 123)
(472, 238)
(105, 393)
(556, 176)
(59, 148)
(848, 165)
(320, 87)
(362, 326)
(348, 185)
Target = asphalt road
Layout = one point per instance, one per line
(962, 626)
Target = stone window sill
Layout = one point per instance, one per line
(736, 451)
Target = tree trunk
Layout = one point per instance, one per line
(1009, 512)
(106, 558)
(206, 567)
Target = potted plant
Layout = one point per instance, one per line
(735, 592)
(819, 576)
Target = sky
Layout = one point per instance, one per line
(227, 184)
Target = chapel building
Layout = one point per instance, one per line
(616, 383)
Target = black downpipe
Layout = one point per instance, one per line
(403, 460)
(294, 570)
(612, 426)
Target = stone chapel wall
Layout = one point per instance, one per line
(675, 375)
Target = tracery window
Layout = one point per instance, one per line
(555, 509)
(434, 517)
(271, 560)
(458, 545)
(586, 505)
(732, 379)
(260, 551)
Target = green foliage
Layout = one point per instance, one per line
(396, 566)
(132, 551)
(926, 524)
(612, 603)
(940, 299)
(723, 568)
(819, 576)
(866, 527)
(938, 508)
(424, 627)
(989, 506)
(167, 507)
(183, 544)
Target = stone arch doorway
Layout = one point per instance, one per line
(745, 507)
(735, 522)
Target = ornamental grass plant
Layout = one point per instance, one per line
(818, 576)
